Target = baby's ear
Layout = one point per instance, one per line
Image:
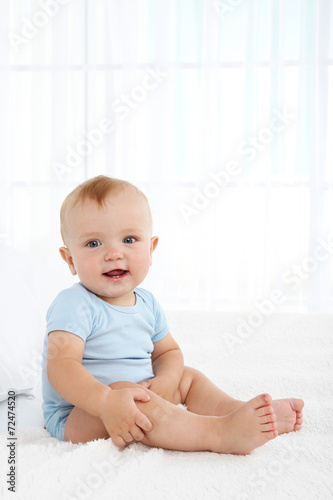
(153, 243)
(66, 255)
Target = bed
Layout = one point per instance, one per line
(287, 355)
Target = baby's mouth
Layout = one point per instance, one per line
(116, 273)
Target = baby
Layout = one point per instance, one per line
(111, 367)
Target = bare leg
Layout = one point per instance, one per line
(247, 428)
(203, 397)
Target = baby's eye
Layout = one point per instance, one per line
(93, 244)
(129, 239)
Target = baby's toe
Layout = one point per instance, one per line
(265, 410)
(267, 419)
(269, 427)
(260, 401)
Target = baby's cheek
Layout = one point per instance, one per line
(142, 260)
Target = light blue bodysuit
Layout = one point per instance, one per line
(118, 342)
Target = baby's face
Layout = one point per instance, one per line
(110, 247)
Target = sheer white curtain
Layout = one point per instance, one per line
(221, 111)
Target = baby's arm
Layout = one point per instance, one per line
(168, 368)
(70, 379)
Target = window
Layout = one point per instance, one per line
(221, 112)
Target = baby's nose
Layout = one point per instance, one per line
(113, 253)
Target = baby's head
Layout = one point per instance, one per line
(106, 226)
(97, 190)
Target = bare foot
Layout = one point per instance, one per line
(248, 427)
(289, 416)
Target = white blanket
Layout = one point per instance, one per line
(288, 355)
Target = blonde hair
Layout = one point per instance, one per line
(96, 189)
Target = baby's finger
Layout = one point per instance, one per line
(140, 395)
(137, 433)
(118, 441)
(143, 422)
(127, 437)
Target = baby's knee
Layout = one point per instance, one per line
(157, 409)
(189, 376)
(132, 385)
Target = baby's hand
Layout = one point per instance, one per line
(162, 386)
(122, 418)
